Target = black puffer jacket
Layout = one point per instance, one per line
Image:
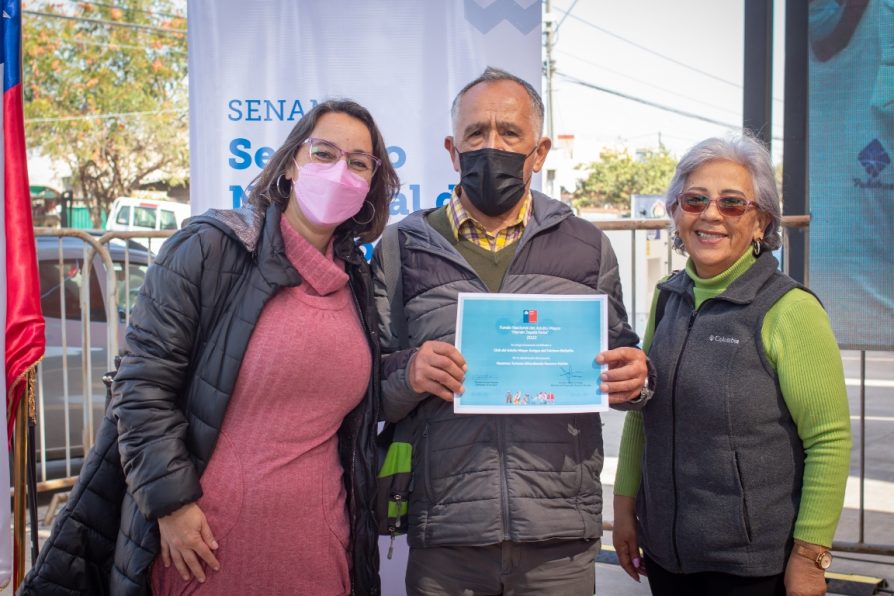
(189, 331)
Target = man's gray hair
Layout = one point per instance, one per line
(748, 152)
(491, 75)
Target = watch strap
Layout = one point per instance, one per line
(821, 557)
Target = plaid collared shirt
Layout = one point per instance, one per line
(465, 227)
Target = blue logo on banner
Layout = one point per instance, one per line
(485, 18)
(874, 158)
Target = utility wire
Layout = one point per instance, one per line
(656, 53)
(104, 116)
(160, 30)
(122, 46)
(653, 52)
(653, 85)
(653, 104)
(128, 8)
(671, 91)
(559, 25)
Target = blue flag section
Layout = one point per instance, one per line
(531, 353)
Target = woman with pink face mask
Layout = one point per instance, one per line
(238, 453)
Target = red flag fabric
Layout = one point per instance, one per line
(25, 340)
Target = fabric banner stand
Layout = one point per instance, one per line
(851, 147)
(256, 67)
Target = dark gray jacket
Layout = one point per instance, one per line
(483, 479)
(723, 462)
(197, 309)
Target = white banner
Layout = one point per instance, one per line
(256, 67)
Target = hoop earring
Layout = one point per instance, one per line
(756, 247)
(283, 186)
(371, 217)
(678, 243)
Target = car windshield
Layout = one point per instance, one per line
(144, 217)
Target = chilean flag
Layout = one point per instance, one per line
(23, 345)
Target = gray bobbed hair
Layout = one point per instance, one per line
(748, 152)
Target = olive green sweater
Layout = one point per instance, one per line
(799, 342)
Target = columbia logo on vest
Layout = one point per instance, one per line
(723, 340)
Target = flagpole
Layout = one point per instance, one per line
(31, 454)
(18, 501)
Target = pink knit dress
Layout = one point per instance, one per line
(273, 491)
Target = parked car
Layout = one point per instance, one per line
(146, 215)
(60, 380)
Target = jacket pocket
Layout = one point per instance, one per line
(746, 520)
(222, 488)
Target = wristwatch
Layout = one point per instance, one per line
(821, 558)
(644, 395)
(648, 389)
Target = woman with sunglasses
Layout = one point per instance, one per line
(247, 403)
(732, 478)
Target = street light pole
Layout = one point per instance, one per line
(549, 68)
(549, 25)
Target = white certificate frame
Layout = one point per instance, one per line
(519, 366)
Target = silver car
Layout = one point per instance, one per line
(62, 420)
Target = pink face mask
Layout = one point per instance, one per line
(329, 194)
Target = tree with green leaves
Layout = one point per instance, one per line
(618, 175)
(105, 92)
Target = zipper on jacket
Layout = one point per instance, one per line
(692, 318)
(504, 483)
(372, 340)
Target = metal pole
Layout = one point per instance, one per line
(795, 166)
(862, 442)
(18, 501)
(549, 23)
(758, 92)
(632, 314)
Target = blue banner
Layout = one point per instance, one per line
(851, 147)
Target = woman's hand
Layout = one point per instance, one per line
(186, 539)
(624, 537)
(803, 577)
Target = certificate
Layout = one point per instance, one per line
(531, 353)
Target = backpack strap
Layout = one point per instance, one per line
(391, 263)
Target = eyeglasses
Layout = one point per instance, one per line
(359, 162)
(696, 202)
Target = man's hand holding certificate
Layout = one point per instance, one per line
(440, 368)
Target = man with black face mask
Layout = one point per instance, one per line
(498, 504)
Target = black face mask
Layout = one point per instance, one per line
(493, 180)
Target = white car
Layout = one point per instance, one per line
(129, 214)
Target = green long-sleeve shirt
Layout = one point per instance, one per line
(799, 343)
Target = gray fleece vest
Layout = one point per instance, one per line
(723, 463)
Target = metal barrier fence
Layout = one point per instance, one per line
(88, 284)
(122, 261)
